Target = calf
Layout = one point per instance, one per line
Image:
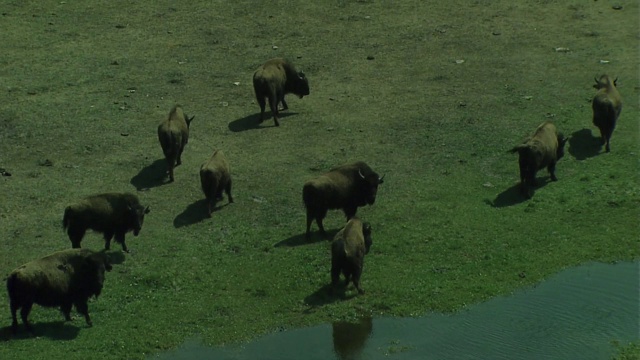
(347, 252)
(606, 105)
(543, 149)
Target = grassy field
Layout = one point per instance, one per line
(432, 94)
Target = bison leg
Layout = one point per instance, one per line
(83, 309)
(356, 279)
(273, 105)
(284, 103)
(262, 104)
(14, 309)
(108, 235)
(227, 190)
(66, 311)
(24, 314)
(75, 235)
(350, 212)
(552, 171)
(120, 240)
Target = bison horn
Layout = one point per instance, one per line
(360, 173)
(381, 179)
(615, 81)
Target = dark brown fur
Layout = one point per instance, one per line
(543, 149)
(65, 278)
(347, 252)
(345, 187)
(606, 105)
(173, 134)
(215, 176)
(273, 80)
(112, 214)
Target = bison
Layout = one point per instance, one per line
(345, 187)
(347, 252)
(215, 177)
(110, 213)
(64, 278)
(606, 106)
(543, 149)
(173, 134)
(273, 80)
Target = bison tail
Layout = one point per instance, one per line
(12, 284)
(518, 148)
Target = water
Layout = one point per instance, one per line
(573, 315)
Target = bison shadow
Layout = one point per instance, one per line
(151, 176)
(116, 257)
(327, 294)
(253, 121)
(513, 195)
(300, 239)
(195, 213)
(53, 330)
(583, 145)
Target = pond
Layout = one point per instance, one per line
(575, 314)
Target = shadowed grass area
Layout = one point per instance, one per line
(432, 94)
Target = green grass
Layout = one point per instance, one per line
(449, 229)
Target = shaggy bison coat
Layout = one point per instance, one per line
(606, 105)
(345, 187)
(543, 149)
(215, 177)
(273, 80)
(173, 134)
(65, 278)
(112, 214)
(347, 252)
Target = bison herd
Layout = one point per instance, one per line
(70, 277)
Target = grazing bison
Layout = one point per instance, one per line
(606, 106)
(273, 80)
(345, 187)
(173, 134)
(111, 214)
(543, 149)
(347, 252)
(215, 177)
(65, 278)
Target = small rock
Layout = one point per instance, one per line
(120, 26)
(4, 172)
(330, 128)
(45, 162)
(460, 61)
(604, 61)
(224, 103)
(487, 185)
(617, 7)
(528, 97)
(236, 83)
(122, 108)
(274, 47)
(496, 33)
(522, 275)
(124, 134)
(331, 99)
(562, 49)
(370, 57)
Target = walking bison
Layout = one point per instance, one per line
(112, 214)
(215, 177)
(345, 187)
(273, 80)
(173, 134)
(65, 278)
(606, 105)
(543, 149)
(347, 252)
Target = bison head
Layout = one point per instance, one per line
(137, 213)
(371, 182)
(301, 85)
(561, 142)
(604, 81)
